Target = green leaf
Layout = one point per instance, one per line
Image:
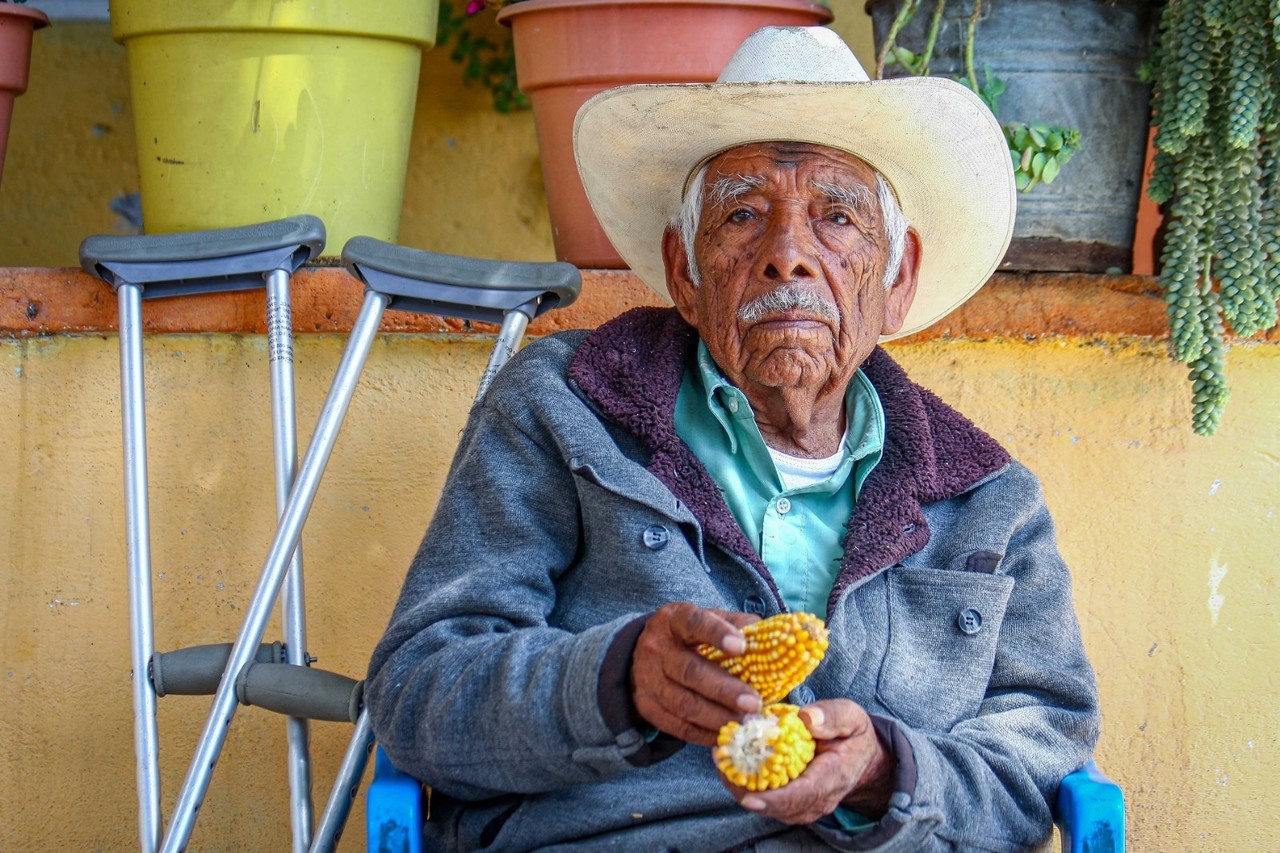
(1051, 168)
(1037, 132)
(1037, 164)
(1021, 180)
(1053, 142)
(1022, 138)
(1027, 154)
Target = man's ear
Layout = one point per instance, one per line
(684, 293)
(903, 291)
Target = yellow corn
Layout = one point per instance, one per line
(781, 652)
(766, 750)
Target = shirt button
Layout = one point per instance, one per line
(753, 604)
(732, 405)
(970, 621)
(784, 506)
(804, 694)
(656, 537)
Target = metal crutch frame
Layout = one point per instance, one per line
(511, 293)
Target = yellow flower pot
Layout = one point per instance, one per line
(253, 110)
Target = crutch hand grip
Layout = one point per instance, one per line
(196, 671)
(300, 691)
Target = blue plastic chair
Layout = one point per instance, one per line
(1090, 813)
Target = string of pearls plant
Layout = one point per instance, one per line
(1217, 110)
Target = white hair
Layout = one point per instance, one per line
(689, 217)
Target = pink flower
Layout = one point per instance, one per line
(474, 7)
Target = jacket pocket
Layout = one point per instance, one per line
(943, 630)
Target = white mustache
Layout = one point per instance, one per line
(789, 297)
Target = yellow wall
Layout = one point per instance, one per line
(1170, 535)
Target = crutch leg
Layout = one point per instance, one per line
(345, 785)
(284, 428)
(146, 741)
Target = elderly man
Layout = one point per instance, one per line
(622, 496)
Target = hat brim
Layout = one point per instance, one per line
(935, 142)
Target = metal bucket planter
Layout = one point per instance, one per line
(1067, 62)
(259, 110)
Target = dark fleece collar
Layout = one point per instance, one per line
(631, 369)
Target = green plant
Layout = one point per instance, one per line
(486, 60)
(1216, 71)
(1038, 150)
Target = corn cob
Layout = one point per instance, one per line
(781, 652)
(766, 750)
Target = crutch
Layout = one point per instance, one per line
(160, 266)
(505, 293)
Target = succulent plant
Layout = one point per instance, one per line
(1216, 111)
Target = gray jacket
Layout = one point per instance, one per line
(573, 510)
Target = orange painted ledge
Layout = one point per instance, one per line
(45, 301)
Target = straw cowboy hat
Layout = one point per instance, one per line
(935, 142)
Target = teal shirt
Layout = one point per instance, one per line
(799, 533)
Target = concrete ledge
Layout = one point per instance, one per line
(50, 301)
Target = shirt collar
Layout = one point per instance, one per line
(727, 404)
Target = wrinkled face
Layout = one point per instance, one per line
(792, 250)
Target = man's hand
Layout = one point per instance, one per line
(679, 691)
(852, 768)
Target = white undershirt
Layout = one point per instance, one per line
(797, 471)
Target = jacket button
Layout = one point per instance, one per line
(656, 537)
(753, 604)
(970, 621)
(805, 694)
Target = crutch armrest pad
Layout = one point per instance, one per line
(205, 261)
(453, 285)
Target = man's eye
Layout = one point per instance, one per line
(740, 215)
(839, 217)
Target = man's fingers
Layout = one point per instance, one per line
(834, 719)
(709, 679)
(702, 704)
(678, 690)
(802, 800)
(694, 626)
(738, 619)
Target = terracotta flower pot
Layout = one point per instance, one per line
(17, 23)
(568, 50)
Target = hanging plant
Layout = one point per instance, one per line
(1216, 112)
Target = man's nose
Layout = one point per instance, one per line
(788, 250)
